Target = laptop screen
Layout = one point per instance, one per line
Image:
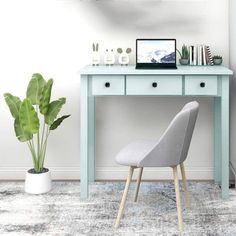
(156, 52)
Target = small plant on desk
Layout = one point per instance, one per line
(217, 60)
(184, 55)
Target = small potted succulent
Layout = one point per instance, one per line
(184, 55)
(28, 114)
(217, 60)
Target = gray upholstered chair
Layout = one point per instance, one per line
(169, 151)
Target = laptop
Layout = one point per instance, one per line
(156, 54)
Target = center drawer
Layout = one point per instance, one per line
(108, 85)
(153, 85)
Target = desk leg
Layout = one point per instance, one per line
(91, 120)
(84, 173)
(225, 137)
(217, 140)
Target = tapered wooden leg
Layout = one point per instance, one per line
(178, 201)
(122, 204)
(185, 185)
(138, 184)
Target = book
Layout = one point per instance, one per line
(195, 55)
(200, 55)
(209, 55)
(190, 55)
(204, 55)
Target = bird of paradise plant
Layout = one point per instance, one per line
(27, 120)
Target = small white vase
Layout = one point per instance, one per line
(38, 183)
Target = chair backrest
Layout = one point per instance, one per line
(172, 148)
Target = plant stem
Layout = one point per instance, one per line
(38, 141)
(41, 147)
(44, 146)
(33, 154)
(179, 53)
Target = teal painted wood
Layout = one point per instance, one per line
(116, 85)
(130, 70)
(116, 73)
(217, 139)
(143, 85)
(225, 136)
(84, 172)
(92, 145)
(193, 85)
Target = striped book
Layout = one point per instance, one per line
(209, 56)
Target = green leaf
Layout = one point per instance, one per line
(13, 104)
(53, 110)
(46, 96)
(28, 117)
(35, 88)
(58, 121)
(22, 135)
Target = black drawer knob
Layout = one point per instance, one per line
(107, 84)
(202, 85)
(154, 84)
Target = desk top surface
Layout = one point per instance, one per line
(130, 70)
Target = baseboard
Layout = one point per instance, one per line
(109, 173)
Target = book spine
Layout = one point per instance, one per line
(195, 55)
(199, 55)
(209, 55)
(190, 56)
(204, 55)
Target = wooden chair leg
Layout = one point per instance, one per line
(178, 201)
(138, 184)
(122, 204)
(185, 185)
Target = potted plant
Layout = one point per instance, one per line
(184, 55)
(28, 129)
(217, 60)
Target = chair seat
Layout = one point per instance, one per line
(135, 152)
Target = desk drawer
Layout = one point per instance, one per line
(201, 85)
(154, 85)
(108, 85)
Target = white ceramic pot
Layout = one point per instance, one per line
(38, 183)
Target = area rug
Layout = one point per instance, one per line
(61, 212)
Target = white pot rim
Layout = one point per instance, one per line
(38, 173)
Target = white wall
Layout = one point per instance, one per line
(233, 83)
(54, 37)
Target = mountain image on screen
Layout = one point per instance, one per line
(156, 52)
(159, 56)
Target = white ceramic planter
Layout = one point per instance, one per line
(38, 183)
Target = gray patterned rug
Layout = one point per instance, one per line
(60, 212)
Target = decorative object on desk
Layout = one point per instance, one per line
(95, 55)
(200, 55)
(209, 56)
(124, 57)
(184, 55)
(217, 60)
(27, 127)
(109, 57)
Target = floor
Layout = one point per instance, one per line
(60, 212)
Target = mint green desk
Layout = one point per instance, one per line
(210, 81)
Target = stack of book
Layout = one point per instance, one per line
(200, 55)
